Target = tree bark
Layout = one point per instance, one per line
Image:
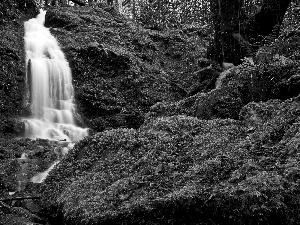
(227, 16)
(236, 36)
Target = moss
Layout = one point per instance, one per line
(218, 171)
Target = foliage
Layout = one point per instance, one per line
(160, 14)
(292, 18)
(174, 13)
(213, 171)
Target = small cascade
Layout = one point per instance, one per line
(49, 86)
(40, 177)
(22, 175)
(60, 153)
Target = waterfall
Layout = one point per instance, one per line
(40, 177)
(49, 86)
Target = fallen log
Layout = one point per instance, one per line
(20, 198)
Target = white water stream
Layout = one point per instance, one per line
(50, 90)
(40, 177)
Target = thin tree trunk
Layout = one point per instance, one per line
(133, 8)
(226, 16)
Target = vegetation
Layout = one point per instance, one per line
(175, 137)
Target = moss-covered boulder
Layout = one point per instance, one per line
(277, 78)
(182, 170)
(119, 68)
(131, 176)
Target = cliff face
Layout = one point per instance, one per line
(12, 70)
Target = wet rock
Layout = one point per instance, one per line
(12, 72)
(120, 69)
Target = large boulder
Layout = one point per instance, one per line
(119, 68)
(127, 176)
(182, 170)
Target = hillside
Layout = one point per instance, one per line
(173, 140)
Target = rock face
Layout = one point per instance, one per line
(12, 70)
(119, 68)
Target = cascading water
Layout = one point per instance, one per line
(50, 90)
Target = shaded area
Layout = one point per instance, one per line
(12, 71)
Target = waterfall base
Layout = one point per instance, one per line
(44, 129)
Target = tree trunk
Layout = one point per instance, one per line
(236, 35)
(133, 8)
(227, 17)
